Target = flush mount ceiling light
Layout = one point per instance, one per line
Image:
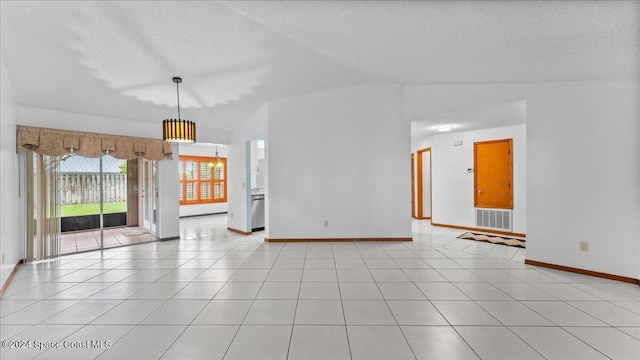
(443, 128)
(178, 130)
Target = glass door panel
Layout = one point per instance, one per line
(99, 203)
(80, 203)
(114, 201)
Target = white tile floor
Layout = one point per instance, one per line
(218, 295)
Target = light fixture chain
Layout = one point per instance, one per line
(178, 92)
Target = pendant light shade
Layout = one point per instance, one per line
(178, 130)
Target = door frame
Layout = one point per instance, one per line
(413, 185)
(420, 214)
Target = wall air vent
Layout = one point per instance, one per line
(495, 219)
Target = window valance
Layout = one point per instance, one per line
(54, 142)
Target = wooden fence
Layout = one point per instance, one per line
(84, 188)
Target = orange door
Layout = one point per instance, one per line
(493, 174)
(424, 183)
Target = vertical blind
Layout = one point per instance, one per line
(43, 207)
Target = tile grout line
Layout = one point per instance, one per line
(389, 307)
(344, 316)
(227, 244)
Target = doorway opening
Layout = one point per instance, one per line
(255, 170)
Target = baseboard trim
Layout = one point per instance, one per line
(10, 277)
(422, 218)
(583, 271)
(170, 238)
(334, 239)
(238, 231)
(207, 214)
(480, 230)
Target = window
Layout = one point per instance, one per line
(201, 181)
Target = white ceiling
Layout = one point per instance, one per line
(117, 59)
(493, 116)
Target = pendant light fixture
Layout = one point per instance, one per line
(216, 161)
(178, 130)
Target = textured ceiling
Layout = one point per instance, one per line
(465, 41)
(493, 116)
(117, 59)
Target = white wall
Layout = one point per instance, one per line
(252, 128)
(30, 116)
(168, 197)
(340, 156)
(11, 249)
(583, 165)
(208, 150)
(453, 186)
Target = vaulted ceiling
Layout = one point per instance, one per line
(117, 59)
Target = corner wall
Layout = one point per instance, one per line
(168, 197)
(10, 243)
(583, 165)
(340, 156)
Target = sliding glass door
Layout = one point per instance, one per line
(78, 204)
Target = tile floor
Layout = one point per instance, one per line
(79, 241)
(218, 295)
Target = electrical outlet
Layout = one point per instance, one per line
(326, 223)
(3, 258)
(231, 215)
(584, 246)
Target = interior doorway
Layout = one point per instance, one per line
(423, 172)
(255, 169)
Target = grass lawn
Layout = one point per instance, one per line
(93, 209)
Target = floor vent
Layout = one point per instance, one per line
(496, 219)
